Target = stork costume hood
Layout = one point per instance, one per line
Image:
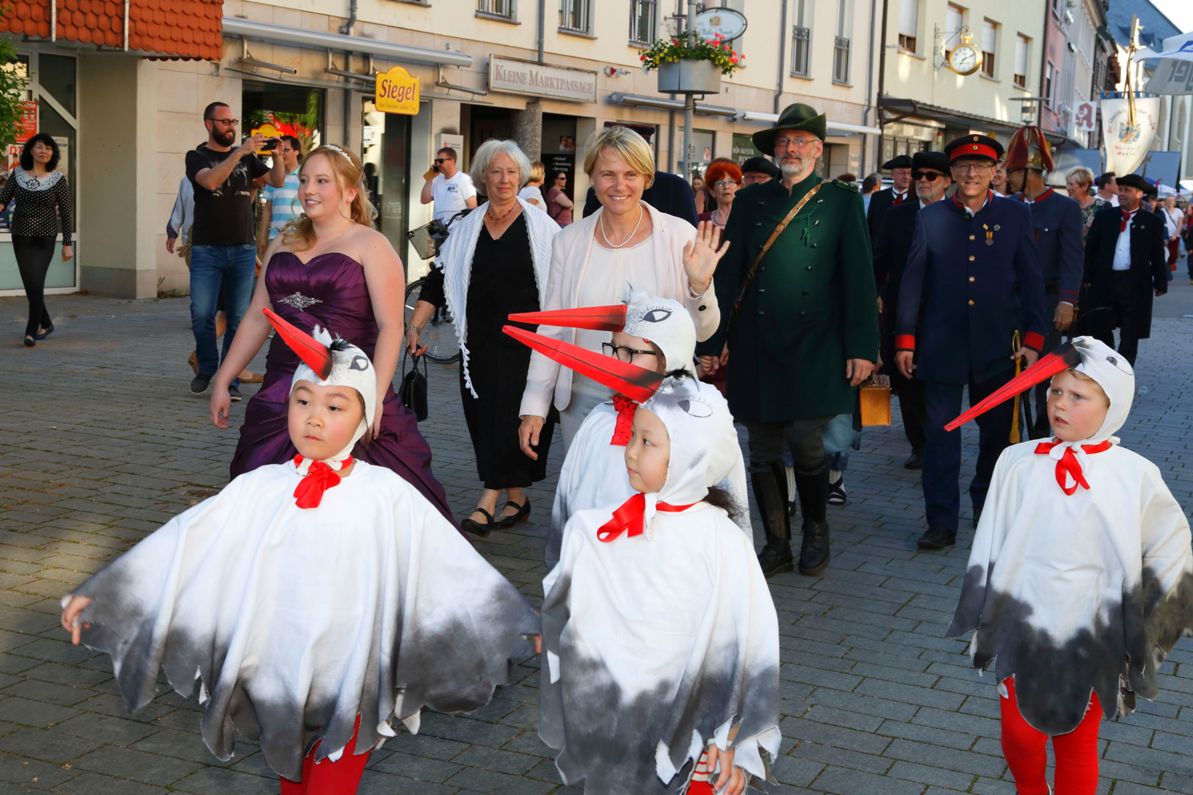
(1084, 585)
(291, 617)
(594, 472)
(659, 631)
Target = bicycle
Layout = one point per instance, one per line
(439, 334)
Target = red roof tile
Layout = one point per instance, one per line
(188, 29)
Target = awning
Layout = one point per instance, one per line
(830, 125)
(892, 109)
(641, 101)
(319, 40)
(158, 28)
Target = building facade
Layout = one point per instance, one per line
(548, 73)
(1074, 67)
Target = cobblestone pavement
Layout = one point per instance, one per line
(102, 443)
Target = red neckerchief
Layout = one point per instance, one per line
(1122, 225)
(625, 420)
(319, 478)
(630, 518)
(1069, 466)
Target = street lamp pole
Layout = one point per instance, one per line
(689, 100)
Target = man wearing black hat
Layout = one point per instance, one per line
(758, 169)
(1056, 222)
(930, 175)
(1125, 265)
(803, 332)
(895, 195)
(971, 285)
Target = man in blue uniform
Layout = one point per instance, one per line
(971, 282)
(930, 176)
(1056, 223)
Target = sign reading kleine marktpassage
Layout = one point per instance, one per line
(396, 91)
(521, 77)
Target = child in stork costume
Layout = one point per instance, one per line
(1080, 580)
(656, 333)
(661, 669)
(312, 601)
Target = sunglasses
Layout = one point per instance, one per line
(442, 159)
(931, 176)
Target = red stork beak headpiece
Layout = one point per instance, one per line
(1062, 359)
(636, 383)
(596, 318)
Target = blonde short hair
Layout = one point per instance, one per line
(537, 171)
(489, 150)
(628, 145)
(1083, 175)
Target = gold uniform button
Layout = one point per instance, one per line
(972, 279)
(972, 257)
(972, 237)
(971, 302)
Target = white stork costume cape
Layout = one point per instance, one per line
(594, 472)
(659, 633)
(1081, 573)
(294, 620)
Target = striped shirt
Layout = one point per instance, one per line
(283, 203)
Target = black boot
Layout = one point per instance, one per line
(770, 491)
(813, 497)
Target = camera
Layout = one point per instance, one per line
(270, 144)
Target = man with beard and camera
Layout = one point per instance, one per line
(223, 244)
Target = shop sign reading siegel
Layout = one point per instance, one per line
(396, 92)
(521, 77)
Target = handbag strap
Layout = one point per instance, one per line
(752, 272)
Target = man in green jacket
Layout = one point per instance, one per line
(805, 334)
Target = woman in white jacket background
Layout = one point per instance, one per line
(495, 262)
(625, 245)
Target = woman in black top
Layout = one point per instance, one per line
(43, 198)
(495, 262)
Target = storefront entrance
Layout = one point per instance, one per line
(386, 154)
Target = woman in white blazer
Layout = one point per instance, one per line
(625, 245)
(494, 262)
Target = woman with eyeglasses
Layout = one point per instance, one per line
(43, 202)
(559, 206)
(721, 182)
(495, 262)
(626, 244)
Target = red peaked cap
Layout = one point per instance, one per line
(597, 318)
(636, 383)
(314, 353)
(1065, 357)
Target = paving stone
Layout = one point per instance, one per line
(873, 699)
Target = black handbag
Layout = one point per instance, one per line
(413, 390)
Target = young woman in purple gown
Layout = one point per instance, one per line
(331, 269)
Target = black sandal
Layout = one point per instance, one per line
(522, 514)
(41, 335)
(469, 525)
(29, 341)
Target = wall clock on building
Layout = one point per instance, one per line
(965, 59)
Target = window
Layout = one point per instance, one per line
(989, 41)
(575, 16)
(1049, 85)
(909, 23)
(643, 14)
(1022, 44)
(954, 21)
(841, 45)
(496, 8)
(801, 39)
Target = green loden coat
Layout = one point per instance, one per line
(811, 307)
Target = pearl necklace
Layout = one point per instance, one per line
(605, 234)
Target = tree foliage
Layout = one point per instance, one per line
(14, 80)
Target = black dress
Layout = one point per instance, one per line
(502, 281)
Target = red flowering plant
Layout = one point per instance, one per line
(677, 49)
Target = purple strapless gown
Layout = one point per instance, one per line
(329, 291)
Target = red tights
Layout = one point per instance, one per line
(1026, 750)
(329, 778)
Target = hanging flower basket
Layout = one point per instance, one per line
(691, 68)
(689, 77)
